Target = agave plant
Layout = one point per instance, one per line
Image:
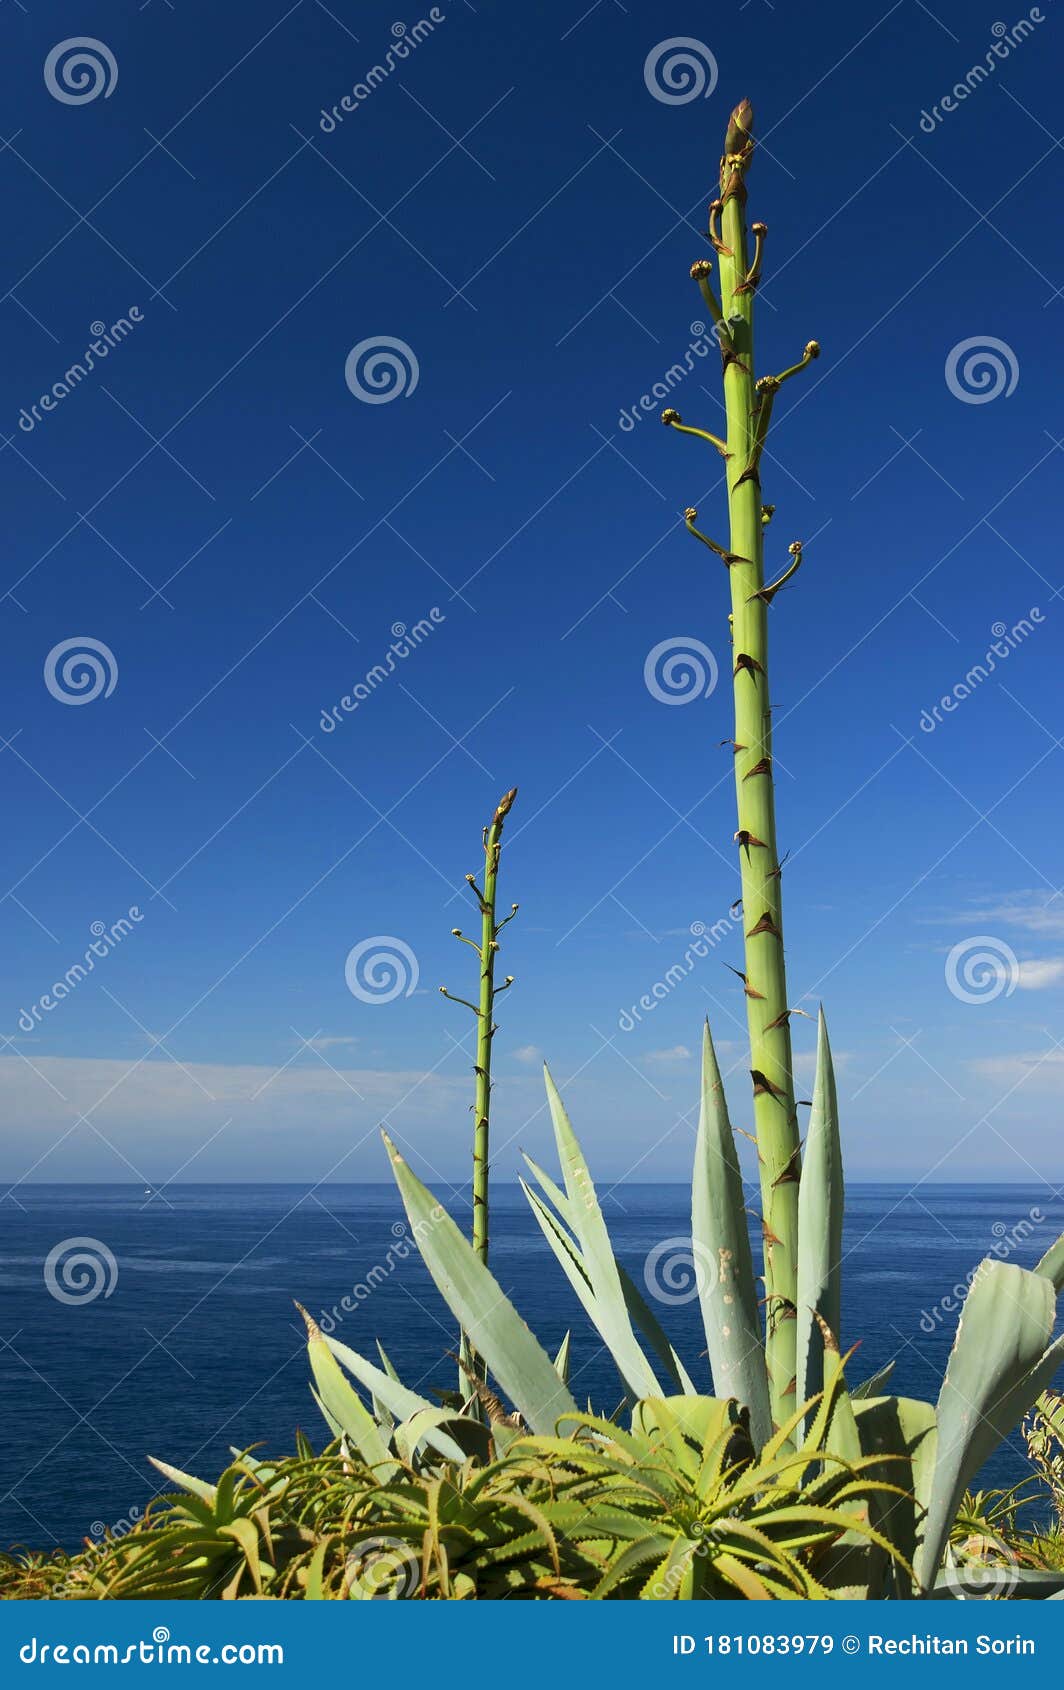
(768, 1352)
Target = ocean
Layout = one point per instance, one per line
(190, 1343)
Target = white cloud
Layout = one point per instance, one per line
(1027, 910)
(327, 1040)
(1037, 975)
(527, 1054)
(676, 1053)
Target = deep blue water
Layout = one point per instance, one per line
(198, 1346)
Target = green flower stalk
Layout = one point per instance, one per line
(484, 1010)
(748, 406)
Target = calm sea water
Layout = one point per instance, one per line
(198, 1347)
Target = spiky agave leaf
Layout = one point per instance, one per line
(723, 1259)
(1002, 1358)
(497, 1332)
(820, 1211)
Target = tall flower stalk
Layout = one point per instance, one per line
(748, 408)
(484, 1009)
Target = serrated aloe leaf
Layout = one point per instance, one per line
(343, 1403)
(195, 1487)
(999, 1364)
(473, 1295)
(820, 1208)
(723, 1260)
(585, 1217)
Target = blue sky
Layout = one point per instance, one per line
(215, 505)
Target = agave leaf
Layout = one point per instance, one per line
(902, 1431)
(611, 1311)
(873, 1386)
(1000, 1583)
(723, 1260)
(400, 1402)
(1052, 1264)
(561, 1360)
(572, 1261)
(820, 1207)
(998, 1365)
(524, 1370)
(343, 1404)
